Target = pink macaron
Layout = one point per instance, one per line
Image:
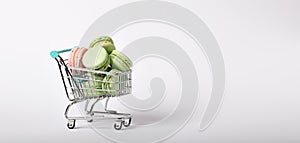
(75, 59)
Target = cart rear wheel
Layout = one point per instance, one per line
(118, 125)
(127, 122)
(71, 124)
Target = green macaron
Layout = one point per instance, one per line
(120, 61)
(104, 41)
(112, 83)
(96, 58)
(93, 86)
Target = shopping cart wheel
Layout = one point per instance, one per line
(71, 124)
(127, 122)
(118, 125)
(90, 120)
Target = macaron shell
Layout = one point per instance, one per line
(116, 63)
(100, 39)
(96, 58)
(75, 57)
(78, 60)
(95, 76)
(111, 83)
(106, 38)
(94, 88)
(108, 46)
(120, 61)
(105, 67)
(71, 56)
(79, 56)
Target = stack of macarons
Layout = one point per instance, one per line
(103, 56)
(111, 83)
(93, 87)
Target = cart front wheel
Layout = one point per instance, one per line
(71, 124)
(127, 122)
(118, 125)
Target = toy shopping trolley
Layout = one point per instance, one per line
(87, 85)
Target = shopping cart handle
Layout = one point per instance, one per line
(54, 54)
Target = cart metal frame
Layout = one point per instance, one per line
(78, 91)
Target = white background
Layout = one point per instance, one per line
(259, 41)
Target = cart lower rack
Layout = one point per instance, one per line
(91, 86)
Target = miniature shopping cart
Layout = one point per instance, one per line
(84, 85)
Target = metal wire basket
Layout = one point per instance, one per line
(83, 84)
(88, 83)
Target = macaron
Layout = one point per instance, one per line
(93, 86)
(75, 59)
(104, 41)
(111, 83)
(120, 61)
(96, 58)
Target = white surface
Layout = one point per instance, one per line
(259, 41)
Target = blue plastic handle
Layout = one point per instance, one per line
(54, 54)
